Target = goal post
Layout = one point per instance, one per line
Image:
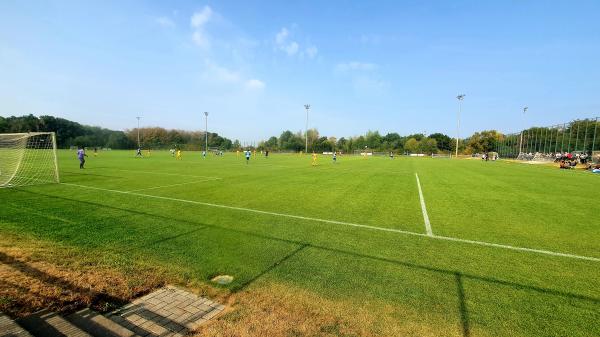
(28, 159)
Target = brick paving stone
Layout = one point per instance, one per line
(169, 311)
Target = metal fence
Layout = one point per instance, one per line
(543, 143)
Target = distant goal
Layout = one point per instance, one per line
(441, 155)
(28, 159)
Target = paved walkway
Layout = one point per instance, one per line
(169, 311)
(11, 329)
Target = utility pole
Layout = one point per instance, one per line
(307, 107)
(138, 132)
(460, 99)
(206, 132)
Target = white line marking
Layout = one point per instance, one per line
(436, 237)
(173, 185)
(424, 209)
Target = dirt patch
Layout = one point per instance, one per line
(34, 277)
(284, 310)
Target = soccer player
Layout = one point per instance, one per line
(237, 153)
(267, 154)
(203, 154)
(95, 152)
(334, 157)
(391, 154)
(178, 154)
(172, 152)
(314, 159)
(148, 152)
(247, 156)
(81, 156)
(139, 152)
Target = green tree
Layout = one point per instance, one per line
(428, 146)
(412, 145)
(272, 144)
(443, 141)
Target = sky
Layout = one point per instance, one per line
(392, 66)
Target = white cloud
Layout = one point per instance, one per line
(350, 66)
(220, 75)
(255, 84)
(281, 36)
(201, 39)
(311, 51)
(286, 44)
(164, 21)
(198, 21)
(291, 48)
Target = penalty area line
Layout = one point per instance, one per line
(433, 237)
(423, 208)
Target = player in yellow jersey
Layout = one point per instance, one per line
(148, 152)
(237, 153)
(178, 157)
(314, 159)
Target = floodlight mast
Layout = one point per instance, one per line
(521, 142)
(138, 132)
(307, 107)
(206, 132)
(460, 99)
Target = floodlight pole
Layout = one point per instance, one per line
(307, 107)
(206, 132)
(138, 132)
(521, 142)
(460, 99)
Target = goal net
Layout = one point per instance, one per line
(441, 155)
(28, 159)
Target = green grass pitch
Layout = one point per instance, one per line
(279, 219)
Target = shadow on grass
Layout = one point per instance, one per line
(462, 305)
(96, 298)
(457, 275)
(245, 284)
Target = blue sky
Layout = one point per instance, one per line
(362, 65)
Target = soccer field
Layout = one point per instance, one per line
(437, 247)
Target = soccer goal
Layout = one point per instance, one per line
(441, 155)
(28, 159)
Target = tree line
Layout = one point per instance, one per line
(68, 133)
(71, 133)
(484, 141)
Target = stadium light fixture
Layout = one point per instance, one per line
(307, 107)
(138, 131)
(460, 99)
(206, 132)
